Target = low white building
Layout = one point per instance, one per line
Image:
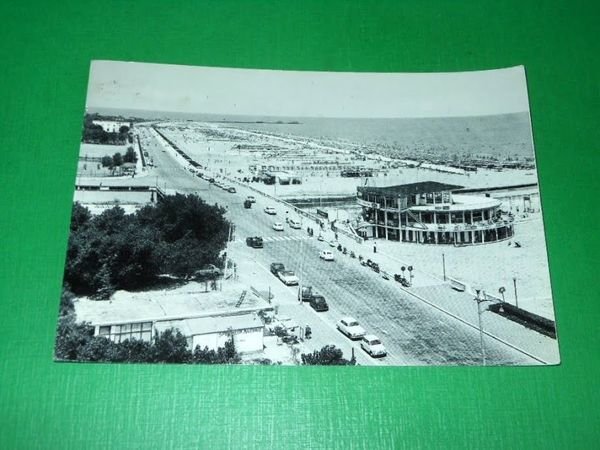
(205, 317)
(246, 330)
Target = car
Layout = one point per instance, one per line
(326, 255)
(231, 189)
(350, 327)
(210, 271)
(373, 346)
(254, 242)
(288, 277)
(251, 198)
(270, 210)
(333, 244)
(247, 204)
(320, 238)
(276, 268)
(295, 224)
(318, 303)
(305, 293)
(278, 226)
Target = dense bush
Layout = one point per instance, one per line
(329, 355)
(115, 250)
(75, 342)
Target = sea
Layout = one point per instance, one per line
(503, 136)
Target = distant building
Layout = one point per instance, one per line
(431, 213)
(111, 126)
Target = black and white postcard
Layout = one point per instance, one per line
(234, 216)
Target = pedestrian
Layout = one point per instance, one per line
(374, 247)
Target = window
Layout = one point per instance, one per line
(120, 333)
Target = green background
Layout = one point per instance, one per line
(45, 50)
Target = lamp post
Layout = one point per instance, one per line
(516, 298)
(444, 265)
(410, 271)
(479, 301)
(502, 290)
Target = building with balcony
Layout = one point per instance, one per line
(431, 213)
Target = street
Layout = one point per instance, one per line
(413, 332)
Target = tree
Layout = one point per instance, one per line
(71, 337)
(130, 155)
(224, 355)
(80, 217)
(329, 355)
(106, 161)
(117, 159)
(170, 346)
(123, 129)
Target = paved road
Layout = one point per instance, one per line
(413, 332)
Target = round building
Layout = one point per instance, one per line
(431, 213)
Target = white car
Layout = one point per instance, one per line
(251, 199)
(326, 255)
(373, 346)
(288, 277)
(278, 226)
(295, 224)
(270, 210)
(332, 244)
(350, 327)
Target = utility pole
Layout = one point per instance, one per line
(516, 298)
(444, 265)
(479, 301)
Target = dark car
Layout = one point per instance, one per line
(247, 204)
(276, 268)
(305, 293)
(254, 242)
(318, 303)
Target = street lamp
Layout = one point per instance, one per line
(516, 298)
(410, 271)
(479, 301)
(502, 290)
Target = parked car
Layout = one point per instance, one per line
(373, 346)
(288, 277)
(333, 244)
(270, 210)
(276, 268)
(254, 242)
(295, 224)
(278, 226)
(209, 271)
(305, 293)
(350, 327)
(231, 189)
(320, 238)
(326, 255)
(247, 204)
(251, 199)
(318, 303)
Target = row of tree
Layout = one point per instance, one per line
(113, 250)
(117, 159)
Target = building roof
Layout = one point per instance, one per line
(185, 302)
(210, 325)
(404, 190)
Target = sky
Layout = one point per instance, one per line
(250, 92)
